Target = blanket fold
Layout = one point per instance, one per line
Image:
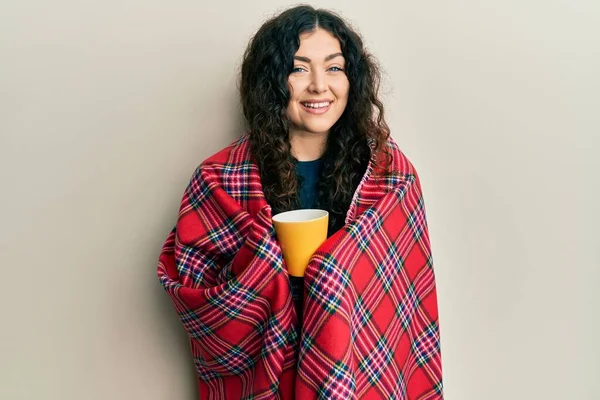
(370, 324)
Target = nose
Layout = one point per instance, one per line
(318, 83)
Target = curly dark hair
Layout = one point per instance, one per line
(264, 92)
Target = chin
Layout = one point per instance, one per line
(318, 131)
(318, 128)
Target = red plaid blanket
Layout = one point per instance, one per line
(370, 327)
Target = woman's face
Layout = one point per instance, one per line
(318, 84)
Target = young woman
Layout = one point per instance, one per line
(363, 323)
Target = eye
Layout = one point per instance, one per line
(336, 69)
(298, 69)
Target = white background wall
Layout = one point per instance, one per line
(107, 107)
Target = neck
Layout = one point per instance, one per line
(307, 146)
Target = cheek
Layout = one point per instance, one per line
(291, 111)
(296, 87)
(341, 90)
(292, 104)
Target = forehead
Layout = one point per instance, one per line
(318, 44)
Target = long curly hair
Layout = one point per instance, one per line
(359, 133)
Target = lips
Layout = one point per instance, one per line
(316, 107)
(313, 104)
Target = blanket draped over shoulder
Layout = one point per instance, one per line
(370, 326)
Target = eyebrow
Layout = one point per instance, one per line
(328, 58)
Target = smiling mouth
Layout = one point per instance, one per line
(316, 106)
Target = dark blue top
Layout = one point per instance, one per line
(308, 174)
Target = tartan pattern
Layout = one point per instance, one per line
(370, 325)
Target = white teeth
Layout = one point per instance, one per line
(317, 105)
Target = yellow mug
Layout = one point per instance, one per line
(300, 233)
